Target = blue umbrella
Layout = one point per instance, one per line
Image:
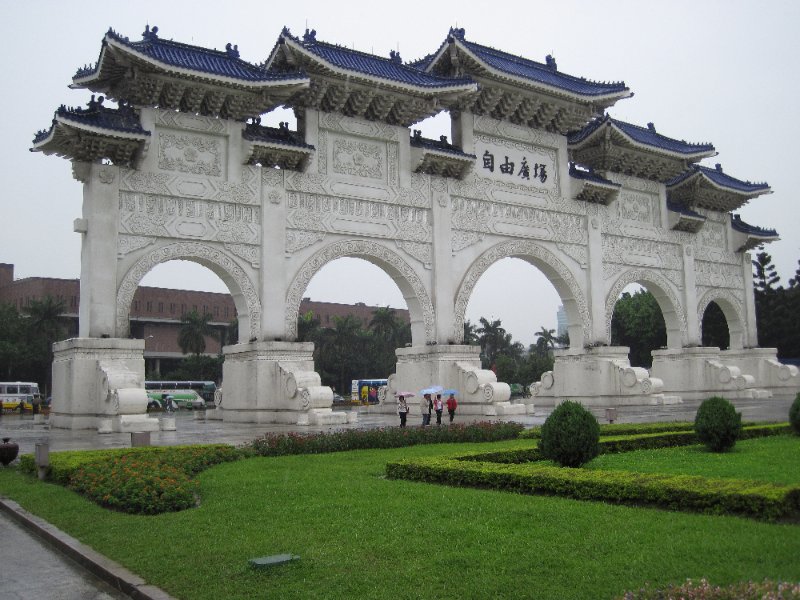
(448, 392)
(434, 389)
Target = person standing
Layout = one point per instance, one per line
(451, 406)
(402, 410)
(438, 406)
(425, 406)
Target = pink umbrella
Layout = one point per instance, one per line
(405, 394)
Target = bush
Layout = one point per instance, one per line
(717, 424)
(794, 414)
(705, 591)
(570, 435)
(281, 444)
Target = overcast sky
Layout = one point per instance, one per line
(723, 72)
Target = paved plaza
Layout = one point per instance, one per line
(35, 570)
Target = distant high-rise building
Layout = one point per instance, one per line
(561, 322)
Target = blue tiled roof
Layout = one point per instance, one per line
(275, 135)
(123, 119)
(642, 135)
(391, 69)
(721, 179)
(680, 208)
(524, 68)
(194, 58)
(739, 225)
(590, 175)
(441, 145)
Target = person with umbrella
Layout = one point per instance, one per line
(451, 404)
(425, 407)
(438, 406)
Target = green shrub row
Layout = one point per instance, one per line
(147, 480)
(280, 444)
(703, 590)
(628, 428)
(675, 492)
(628, 443)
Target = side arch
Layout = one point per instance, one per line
(245, 295)
(732, 309)
(420, 306)
(671, 308)
(567, 286)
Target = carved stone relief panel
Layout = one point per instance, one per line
(181, 120)
(638, 208)
(187, 153)
(358, 158)
(720, 275)
(185, 218)
(359, 127)
(641, 252)
(182, 186)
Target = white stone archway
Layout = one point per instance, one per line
(411, 286)
(671, 308)
(731, 307)
(554, 269)
(245, 296)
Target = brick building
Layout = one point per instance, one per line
(156, 312)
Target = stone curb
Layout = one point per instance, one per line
(106, 569)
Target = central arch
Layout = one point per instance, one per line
(557, 273)
(731, 307)
(671, 307)
(245, 295)
(411, 286)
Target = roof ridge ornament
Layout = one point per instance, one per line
(232, 51)
(395, 57)
(310, 36)
(652, 127)
(457, 32)
(150, 34)
(551, 62)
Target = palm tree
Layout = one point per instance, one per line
(308, 327)
(193, 332)
(46, 325)
(384, 323)
(547, 340)
(470, 333)
(492, 339)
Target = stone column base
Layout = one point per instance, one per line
(764, 366)
(275, 382)
(79, 388)
(599, 377)
(699, 373)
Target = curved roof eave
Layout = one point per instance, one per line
(66, 121)
(464, 88)
(696, 172)
(528, 83)
(191, 73)
(699, 155)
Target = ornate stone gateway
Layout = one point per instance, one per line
(181, 168)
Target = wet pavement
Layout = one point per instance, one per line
(33, 569)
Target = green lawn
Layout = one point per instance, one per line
(360, 535)
(773, 459)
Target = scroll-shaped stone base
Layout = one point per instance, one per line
(600, 376)
(763, 364)
(275, 382)
(698, 373)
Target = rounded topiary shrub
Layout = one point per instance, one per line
(717, 424)
(570, 435)
(794, 415)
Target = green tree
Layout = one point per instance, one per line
(638, 323)
(308, 327)
(45, 326)
(14, 357)
(715, 328)
(492, 339)
(389, 332)
(344, 352)
(193, 332)
(470, 333)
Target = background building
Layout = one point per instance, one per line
(156, 312)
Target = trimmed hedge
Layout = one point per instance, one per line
(676, 492)
(794, 414)
(281, 444)
(149, 480)
(622, 429)
(765, 590)
(523, 471)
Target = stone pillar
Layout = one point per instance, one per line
(693, 336)
(596, 293)
(750, 330)
(273, 265)
(99, 228)
(462, 130)
(442, 275)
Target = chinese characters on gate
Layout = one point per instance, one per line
(508, 168)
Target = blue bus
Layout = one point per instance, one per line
(368, 391)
